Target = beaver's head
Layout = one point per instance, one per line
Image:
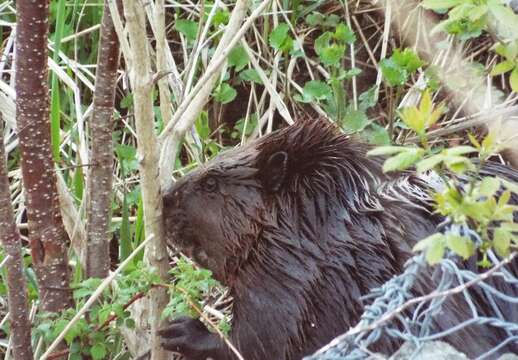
(217, 213)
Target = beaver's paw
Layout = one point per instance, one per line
(191, 338)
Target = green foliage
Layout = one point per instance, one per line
(509, 52)
(238, 58)
(250, 75)
(481, 204)
(400, 66)
(225, 93)
(280, 39)
(244, 128)
(191, 286)
(468, 18)
(187, 27)
(95, 336)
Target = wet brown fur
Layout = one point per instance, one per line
(300, 224)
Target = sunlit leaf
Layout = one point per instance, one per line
(403, 160)
(460, 245)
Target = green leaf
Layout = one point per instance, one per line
(318, 90)
(376, 135)
(315, 19)
(407, 59)
(440, 4)
(328, 52)
(502, 241)
(489, 186)
(414, 119)
(238, 58)
(355, 120)
(513, 79)
(98, 351)
(279, 37)
(188, 28)
(202, 126)
(428, 241)
(435, 252)
(345, 34)
(510, 185)
(368, 99)
(386, 150)
(429, 163)
(225, 93)
(393, 73)
(477, 13)
(403, 160)
(332, 55)
(460, 245)
(502, 68)
(221, 17)
(460, 150)
(250, 75)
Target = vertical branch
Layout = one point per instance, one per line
(100, 176)
(147, 146)
(161, 62)
(46, 232)
(17, 289)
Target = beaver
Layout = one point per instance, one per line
(299, 224)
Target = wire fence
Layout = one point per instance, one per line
(397, 315)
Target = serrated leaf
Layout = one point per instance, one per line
(414, 119)
(392, 73)
(332, 55)
(426, 242)
(425, 106)
(429, 163)
(407, 59)
(376, 135)
(225, 93)
(435, 252)
(98, 351)
(458, 164)
(510, 185)
(279, 36)
(403, 160)
(477, 13)
(250, 75)
(489, 186)
(435, 115)
(314, 19)
(460, 245)
(460, 150)
(502, 68)
(345, 34)
(317, 89)
(355, 120)
(187, 27)
(513, 79)
(238, 58)
(386, 150)
(502, 241)
(440, 4)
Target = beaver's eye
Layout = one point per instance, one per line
(210, 184)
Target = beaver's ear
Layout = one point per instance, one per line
(274, 170)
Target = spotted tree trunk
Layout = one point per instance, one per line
(47, 235)
(17, 290)
(101, 153)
